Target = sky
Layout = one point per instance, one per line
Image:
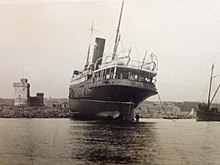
(45, 40)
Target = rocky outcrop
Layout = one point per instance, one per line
(33, 112)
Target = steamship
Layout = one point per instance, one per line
(112, 85)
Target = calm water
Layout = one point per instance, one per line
(65, 141)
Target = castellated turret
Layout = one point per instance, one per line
(21, 92)
(22, 95)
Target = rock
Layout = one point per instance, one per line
(33, 112)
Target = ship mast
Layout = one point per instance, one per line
(215, 94)
(88, 53)
(210, 86)
(117, 34)
(87, 58)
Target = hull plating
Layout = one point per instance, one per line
(108, 100)
(93, 109)
(207, 116)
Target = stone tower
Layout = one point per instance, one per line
(21, 93)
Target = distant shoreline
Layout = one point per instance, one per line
(10, 111)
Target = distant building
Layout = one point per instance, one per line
(37, 100)
(22, 95)
(59, 103)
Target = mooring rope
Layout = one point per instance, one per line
(164, 108)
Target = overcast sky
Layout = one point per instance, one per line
(49, 39)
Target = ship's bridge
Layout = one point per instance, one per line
(125, 68)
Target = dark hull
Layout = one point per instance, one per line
(108, 100)
(207, 116)
(97, 109)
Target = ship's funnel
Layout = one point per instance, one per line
(98, 51)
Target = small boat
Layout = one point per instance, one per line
(172, 117)
(208, 112)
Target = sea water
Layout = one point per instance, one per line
(149, 141)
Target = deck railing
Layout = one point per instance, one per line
(123, 59)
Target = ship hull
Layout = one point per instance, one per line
(207, 116)
(98, 109)
(111, 100)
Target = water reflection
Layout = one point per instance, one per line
(110, 142)
(64, 141)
